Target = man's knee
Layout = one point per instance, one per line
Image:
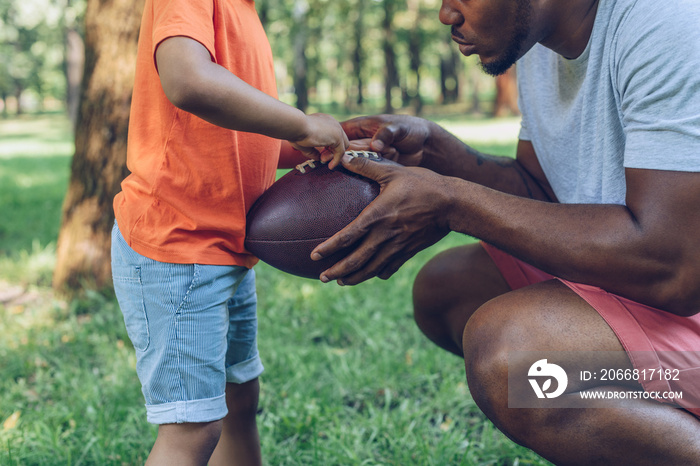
(493, 341)
(486, 341)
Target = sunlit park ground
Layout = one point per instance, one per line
(349, 378)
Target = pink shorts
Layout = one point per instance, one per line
(654, 339)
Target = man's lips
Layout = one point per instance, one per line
(465, 47)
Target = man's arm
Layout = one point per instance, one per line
(193, 83)
(648, 250)
(413, 141)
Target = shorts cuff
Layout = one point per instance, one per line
(179, 412)
(244, 371)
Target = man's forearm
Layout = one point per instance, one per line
(447, 155)
(599, 245)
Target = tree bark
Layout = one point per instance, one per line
(391, 76)
(74, 66)
(450, 63)
(506, 101)
(301, 88)
(358, 54)
(99, 163)
(414, 46)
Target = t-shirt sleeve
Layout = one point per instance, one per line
(188, 18)
(657, 58)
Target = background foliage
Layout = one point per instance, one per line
(361, 56)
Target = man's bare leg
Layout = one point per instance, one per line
(548, 316)
(450, 288)
(545, 317)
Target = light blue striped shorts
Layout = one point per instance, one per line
(194, 328)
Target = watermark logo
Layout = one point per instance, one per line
(598, 381)
(543, 371)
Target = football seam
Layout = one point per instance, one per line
(286, 240)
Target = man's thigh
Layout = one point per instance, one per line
(547, 320)
(552, 320)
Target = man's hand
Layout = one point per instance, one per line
(400, 138)
(408, 215)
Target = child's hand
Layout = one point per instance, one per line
(324, 132)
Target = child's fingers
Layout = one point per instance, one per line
(332, 155)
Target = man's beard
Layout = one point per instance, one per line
(514, 50)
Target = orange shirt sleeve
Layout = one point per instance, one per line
(188, 18)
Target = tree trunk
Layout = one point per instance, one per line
(301, 88)
(415, 49)
(506, 101)
(74, 66)
(358, 52)
(414, 45)
(18, 98)
(391, 77)
(450, 63)
(99, 163)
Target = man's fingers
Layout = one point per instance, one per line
(360, 144)
(372, 258)
(373, 169)
(392, 268)
(356, 267)
(343, 239)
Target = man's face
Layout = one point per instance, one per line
(496, 30)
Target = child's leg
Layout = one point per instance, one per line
(177, 317)
(239, 443)
(184, 444)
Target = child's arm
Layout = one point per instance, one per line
(194, 83)
(289, 156)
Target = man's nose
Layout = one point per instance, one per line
(448, 15)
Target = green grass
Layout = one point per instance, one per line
(349, 378)
(35, 156)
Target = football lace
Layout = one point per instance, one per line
(311, 164)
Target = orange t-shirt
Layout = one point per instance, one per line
(192, 182)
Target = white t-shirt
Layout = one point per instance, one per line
(631, 100)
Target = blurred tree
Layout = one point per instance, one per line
(18, 31)
(99, 163)
(506, 100)
(300, 38)
(33, 34)
(74, 55)
(391, 73)
(358, 53)
(451, 63)
(415, 40)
